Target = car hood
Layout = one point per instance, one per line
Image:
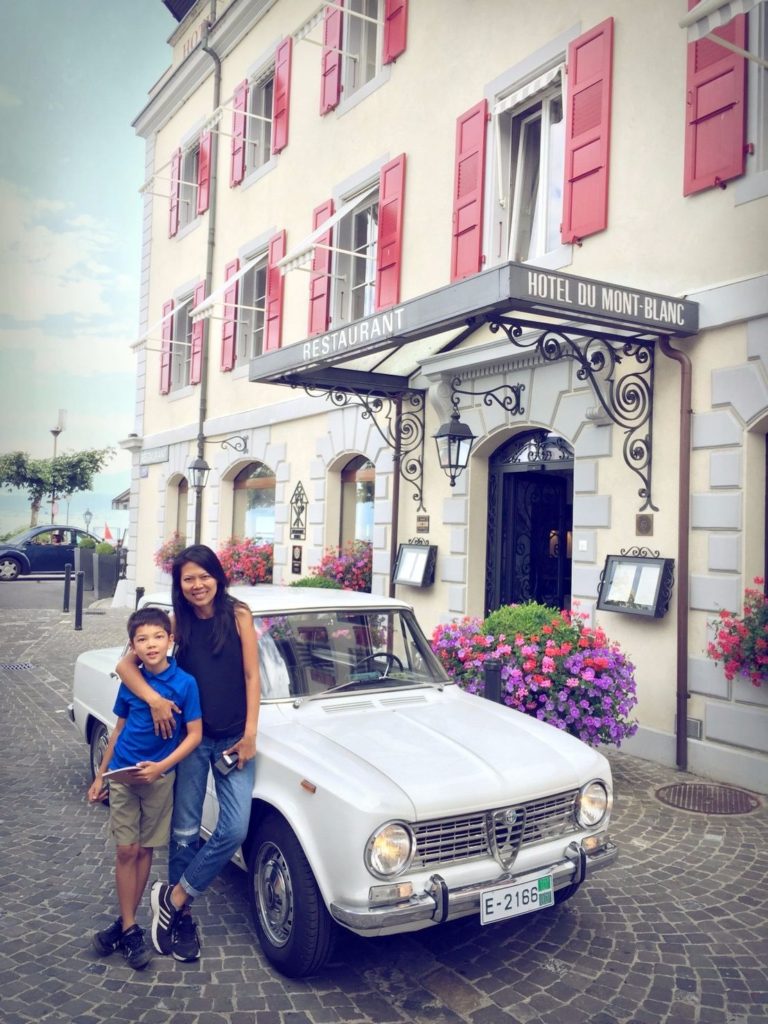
(456, 754)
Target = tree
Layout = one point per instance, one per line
(40, 478)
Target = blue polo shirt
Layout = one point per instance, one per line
(138, 742)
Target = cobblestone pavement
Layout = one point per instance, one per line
(675, 931)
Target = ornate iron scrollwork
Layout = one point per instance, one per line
(626, 398)
(506, 395)
(399, 420)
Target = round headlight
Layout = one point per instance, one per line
(389, 850)
(593, 805)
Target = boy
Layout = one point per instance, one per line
(140, 805)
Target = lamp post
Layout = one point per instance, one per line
(55, 431)
(198, 471)
(88, 516)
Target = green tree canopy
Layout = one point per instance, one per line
(69, 473)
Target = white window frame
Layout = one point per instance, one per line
(252, 309)
(516, 82)
(360, 28)
(181, 343)
(258, 122)
(189, 176)
(353, 268)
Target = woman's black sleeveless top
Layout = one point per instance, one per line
(220, 679)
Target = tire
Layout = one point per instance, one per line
(9, 568)
(295, 930)
(99, 740)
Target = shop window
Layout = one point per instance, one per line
(358, 483)
(254, 503)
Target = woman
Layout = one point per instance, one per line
(216, 643)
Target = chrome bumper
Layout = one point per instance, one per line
(439, 903)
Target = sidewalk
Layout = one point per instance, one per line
(675, 932)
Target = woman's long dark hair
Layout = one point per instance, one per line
(223, 603)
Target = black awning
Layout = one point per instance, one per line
(535, 297)
(179, 8)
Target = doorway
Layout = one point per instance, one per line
(530, 521)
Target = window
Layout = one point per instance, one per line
(358, 483)
(251, 312)
(354, 264)
(182, 499)
(531, 140)
(181, 345)
(188, 185)
(254, 503)
(361, 44)
(258, 130)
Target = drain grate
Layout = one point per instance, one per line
(706, 799)
(16, 666)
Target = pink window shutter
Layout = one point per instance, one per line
(165, 348)
(229, 327)
(716, 108)
(389, 248)
(173, 218)
(240, 105)
(469, 178)
(330, 82)
(395, 29)
(198, 333)
(587, 133)
(204, 173)
(281, 96)
(319, 279)
(274, 315)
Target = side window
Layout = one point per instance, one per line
(258, 131)
(251, 311)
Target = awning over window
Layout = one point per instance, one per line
(519, 96)
(302, 253)
(708, 15)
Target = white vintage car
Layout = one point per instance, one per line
(386, 798)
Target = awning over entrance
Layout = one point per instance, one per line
(538, 298)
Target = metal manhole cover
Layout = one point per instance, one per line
(707, 799)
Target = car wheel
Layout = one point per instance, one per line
(99, 740)
(294, 928)
(9, 568)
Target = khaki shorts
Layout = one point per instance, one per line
(141, 813)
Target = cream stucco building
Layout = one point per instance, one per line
(551, 218)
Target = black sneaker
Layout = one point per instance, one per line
(135, 949)
(105, 943)
(186, 943)
(163, 917)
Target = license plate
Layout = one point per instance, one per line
(512, 900)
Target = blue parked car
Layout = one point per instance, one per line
(41, 549)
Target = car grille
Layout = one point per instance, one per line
(500, 832)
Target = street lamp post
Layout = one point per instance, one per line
(55, 431)
(88, 516)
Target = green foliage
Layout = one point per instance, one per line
(105, 548)
(87, 542)
(317, 581)
(513, 620)
(69, 473)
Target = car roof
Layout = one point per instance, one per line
(272, 599)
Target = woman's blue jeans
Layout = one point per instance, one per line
(189, 863)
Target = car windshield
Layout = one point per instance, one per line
(305, 654)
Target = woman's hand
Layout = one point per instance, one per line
(162, 711)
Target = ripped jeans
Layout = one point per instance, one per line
(193, 865)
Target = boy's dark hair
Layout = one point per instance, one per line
(149, 616)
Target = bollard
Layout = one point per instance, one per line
(139, 595)
(492, 672)
(67, 584)
(79, 585)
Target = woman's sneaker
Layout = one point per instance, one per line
(106, 942)
(135, 949)
(186, 943)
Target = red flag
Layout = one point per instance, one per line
(107, 533)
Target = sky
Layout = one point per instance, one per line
(73, 76)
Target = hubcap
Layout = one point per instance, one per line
(274, 894)
(8, 569)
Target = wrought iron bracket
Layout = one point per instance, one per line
(508, 396)
(398, 416)
(238, 443)
(626, 397)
